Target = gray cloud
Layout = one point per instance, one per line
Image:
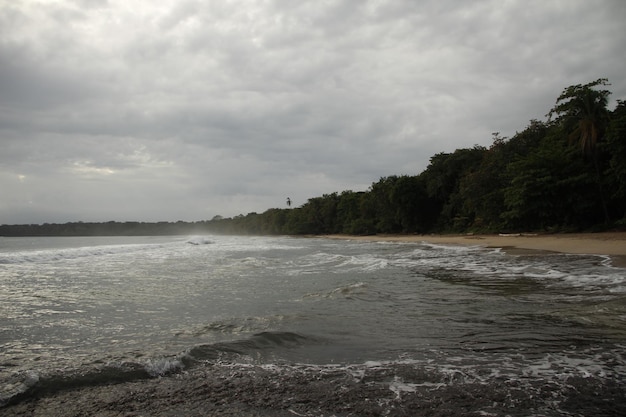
(186, 109)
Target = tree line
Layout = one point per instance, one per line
(564, 174)
(567, 173)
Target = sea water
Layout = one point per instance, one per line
(548, 327)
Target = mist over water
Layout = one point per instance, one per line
(85, 311)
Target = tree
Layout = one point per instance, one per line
(482, 190)
(582, 111)
(616, 144)
(351, 217)
(411, 204)
(442, 179)
(549, 189)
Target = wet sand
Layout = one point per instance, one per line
(612, 244)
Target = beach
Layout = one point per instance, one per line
(612, 244)
(318, 326)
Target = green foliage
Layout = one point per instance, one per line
(443, 179)
(616, 151)
(352, 214)
(549, 188)
(582, 111)
(483, 189)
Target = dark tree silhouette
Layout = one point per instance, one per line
(582, 111)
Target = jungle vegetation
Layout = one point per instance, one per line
(564, 174)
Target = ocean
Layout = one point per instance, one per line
(328, 327)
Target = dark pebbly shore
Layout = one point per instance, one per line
(251, 390)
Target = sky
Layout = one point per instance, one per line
(142, 110)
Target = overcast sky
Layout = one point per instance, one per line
(172, 110)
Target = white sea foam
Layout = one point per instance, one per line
(397, 386)
(364, 263)
(68, 254)
(548, 269)
(199, 240)
(163, 366)
(16, 384)
(336, 263)
(459, 249)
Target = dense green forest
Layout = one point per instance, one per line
(567, 173)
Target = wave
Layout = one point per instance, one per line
(232, 326)
(336, 263)
(65, 254)
(444, 384)
(591, 273)
(347, 291)
(27, 384)
(244, 348)
(199, 240)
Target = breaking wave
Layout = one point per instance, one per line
(26, 384)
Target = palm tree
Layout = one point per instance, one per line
(582, 111)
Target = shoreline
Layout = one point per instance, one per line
(398, 382)
(612, 244)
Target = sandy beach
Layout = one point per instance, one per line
(612, 244)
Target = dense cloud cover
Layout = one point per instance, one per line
(185, 109)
